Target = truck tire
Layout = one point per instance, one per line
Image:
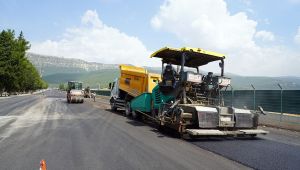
(160, 127)
(113, 106)
(135, 115)
(127, 110)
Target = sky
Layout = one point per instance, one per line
(258, 37)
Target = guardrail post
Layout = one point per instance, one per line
(254, 96)
(281, 90)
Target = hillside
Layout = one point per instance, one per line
(48, 65)
(265, 83)
(56, 70)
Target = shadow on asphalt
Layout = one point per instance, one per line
(118, 112)
(166, 132)
(220, 139)
(171, 133)
(135, 123)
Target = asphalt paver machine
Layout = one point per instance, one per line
(191, 102)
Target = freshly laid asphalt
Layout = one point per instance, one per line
(88, 136)
(257, 153)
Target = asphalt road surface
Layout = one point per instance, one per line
(80, 136)
(86, 136)
(259, 153)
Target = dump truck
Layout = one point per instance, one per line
(191, 102)
(133, 81)
(75, 93)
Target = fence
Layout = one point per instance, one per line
(278, 101)
(281, 101)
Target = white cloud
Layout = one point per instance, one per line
(265, 35)
(209, 24)
(97, 42)
(91, 17)
(297, 36)
(198, 21)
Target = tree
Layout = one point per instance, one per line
(7, 45)
(16, 71)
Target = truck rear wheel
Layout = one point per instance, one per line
(113, 106)
(135, 115)
(127, 109)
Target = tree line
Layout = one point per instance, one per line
(17, 73)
